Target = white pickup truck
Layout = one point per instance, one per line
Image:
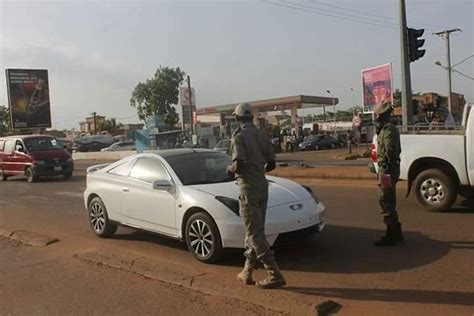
(438, 163)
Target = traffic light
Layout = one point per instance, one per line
(414, 44)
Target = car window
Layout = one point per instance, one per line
(9, 144)
(123, 169)
(19, 146)
(149, 170)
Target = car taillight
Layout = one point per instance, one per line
(373, 153)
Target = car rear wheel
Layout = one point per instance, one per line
(316, 147)
(333, 145)
(30, 175)
(435, 190)
(99, 219)
(203, 238)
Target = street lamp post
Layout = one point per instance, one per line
(353, 102)
(333, 109)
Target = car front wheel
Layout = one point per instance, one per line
(99, 219)
(3, 176)
(435, 190)
(202, 238)
(30, 175)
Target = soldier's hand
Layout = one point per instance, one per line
(230, 171)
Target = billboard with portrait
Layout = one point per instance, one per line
(376, 86)
(28, 97)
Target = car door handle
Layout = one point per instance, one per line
(126, 190)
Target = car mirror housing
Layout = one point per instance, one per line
(162, 185)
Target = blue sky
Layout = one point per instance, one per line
(97, 51)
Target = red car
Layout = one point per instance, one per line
(34, 156)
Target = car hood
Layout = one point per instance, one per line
(308, 142)
(281, 191)
(49, 154)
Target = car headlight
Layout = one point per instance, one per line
(307, 188)
(231, 204)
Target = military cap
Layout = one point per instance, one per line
(243, 109)
(382, 108)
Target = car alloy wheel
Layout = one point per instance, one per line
(97, 218)
(30, 176)
(202, 238)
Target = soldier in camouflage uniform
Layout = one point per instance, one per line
(252, 156)
(388, 160)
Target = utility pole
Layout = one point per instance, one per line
(353, 102)
(445, 34)
(407, 107)
(191, 113)
(95, 122)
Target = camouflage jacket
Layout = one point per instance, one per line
(388, 150)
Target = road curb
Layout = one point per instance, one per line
(27, 237)
(257, 301)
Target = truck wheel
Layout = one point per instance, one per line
(435, 190)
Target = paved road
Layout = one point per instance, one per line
(431, 274)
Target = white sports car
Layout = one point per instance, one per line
(186, 194)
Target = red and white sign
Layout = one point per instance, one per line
(376, 86)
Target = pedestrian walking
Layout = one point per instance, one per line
(388, 160)
(252, 155)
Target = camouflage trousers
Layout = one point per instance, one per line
(253, 207)
(388, 203)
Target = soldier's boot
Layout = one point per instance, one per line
(389, 238)
(397, 234)
(246, 275)
(274, 279)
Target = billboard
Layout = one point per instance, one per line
(28, 98)
(376, 86)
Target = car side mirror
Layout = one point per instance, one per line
(162, 185)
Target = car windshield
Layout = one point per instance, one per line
(201, 168)
(41, 144)
(314, 137)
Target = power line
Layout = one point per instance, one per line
(464, 75)
(371, 14)
(304, 8)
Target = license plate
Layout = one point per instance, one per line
(58, 168)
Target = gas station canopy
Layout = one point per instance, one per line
(275, 104)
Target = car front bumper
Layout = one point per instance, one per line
(53, 169)
(280, 221)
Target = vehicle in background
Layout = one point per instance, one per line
(186, 194)
(34, 156)
(342, 140)
(317, 142)
(438, 162)
(67, 144)
(121, 146)
(223, 146)
(92, 143)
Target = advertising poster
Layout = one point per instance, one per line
(376, 86)
(28, 97)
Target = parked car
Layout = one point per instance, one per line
(438, 163)
(316, 142)
(66, 144)
(92, 146)
(121, 146)
(223, 146)
(186, 194)
(34, 156)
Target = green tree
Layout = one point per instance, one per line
(110, 125)
(4, 120)
(397, 98)
(158, 95)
